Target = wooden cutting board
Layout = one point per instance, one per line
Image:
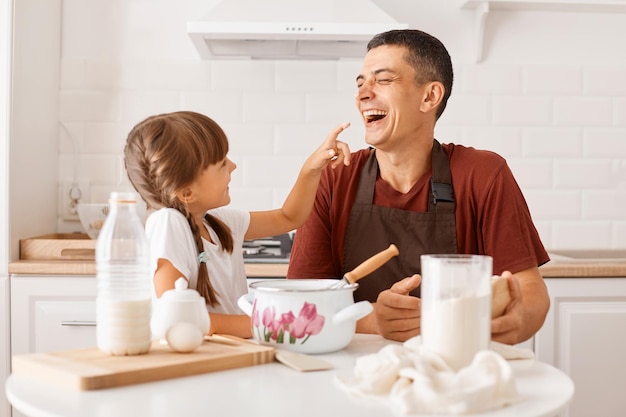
(90, 369)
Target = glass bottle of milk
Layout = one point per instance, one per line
(122, 268)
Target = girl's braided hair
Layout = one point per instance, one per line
(164, 154)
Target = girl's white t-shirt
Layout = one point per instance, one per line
(170, 238)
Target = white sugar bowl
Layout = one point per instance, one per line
(180, 317)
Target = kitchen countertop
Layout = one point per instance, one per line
(557, 268)
(553, 269)
(253, 270)
(582, 269)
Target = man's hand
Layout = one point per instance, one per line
(398, 314)
(505, 329)
(526, 311)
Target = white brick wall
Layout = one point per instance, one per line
(551, 100)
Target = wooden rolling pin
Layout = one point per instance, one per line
(500, 296)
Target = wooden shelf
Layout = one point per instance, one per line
(482, 8)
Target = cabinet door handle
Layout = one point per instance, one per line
(78, 323)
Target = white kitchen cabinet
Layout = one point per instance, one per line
(585, 336)
(51, 313)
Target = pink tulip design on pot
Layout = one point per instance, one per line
(308, 323)
(254, 319)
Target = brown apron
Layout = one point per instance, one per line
(373, 228)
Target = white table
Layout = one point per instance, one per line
(267, 390)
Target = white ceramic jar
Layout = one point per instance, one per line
(180, 317)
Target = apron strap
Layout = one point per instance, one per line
(441, 191)
(365, 195)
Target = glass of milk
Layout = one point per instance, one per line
(456, 306)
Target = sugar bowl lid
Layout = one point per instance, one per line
(181, 292)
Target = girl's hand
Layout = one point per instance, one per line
(299, 202)
(332, 151)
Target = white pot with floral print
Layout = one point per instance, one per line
(303, 315)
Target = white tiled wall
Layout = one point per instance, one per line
(550, 96)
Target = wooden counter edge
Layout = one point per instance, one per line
(260, 270)
(52, 267)
(583, 270)
(89, 268)
(266, 270)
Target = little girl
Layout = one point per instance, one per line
(178, 163)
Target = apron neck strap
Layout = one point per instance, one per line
(441, 197)
(365, 193)
(441, 191)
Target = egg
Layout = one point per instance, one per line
(184, 337)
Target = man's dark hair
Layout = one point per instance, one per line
(426, 54)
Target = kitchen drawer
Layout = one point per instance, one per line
(52, 313)
(63, 324)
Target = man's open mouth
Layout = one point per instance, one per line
(374, 115)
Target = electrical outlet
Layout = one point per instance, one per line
(72, 193)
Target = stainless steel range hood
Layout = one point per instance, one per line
(289, 29)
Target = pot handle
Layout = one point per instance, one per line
(245, 303)
(354, 312)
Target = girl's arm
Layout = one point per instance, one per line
(299, 202)
(233, 324)
(165, 276)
